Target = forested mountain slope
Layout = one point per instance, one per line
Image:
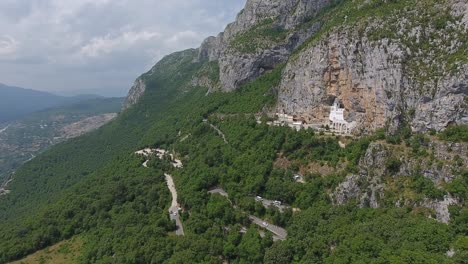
(391, 193)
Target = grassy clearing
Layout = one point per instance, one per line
(64, 252)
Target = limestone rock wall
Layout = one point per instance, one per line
(236, 67)
(367, 187)
(405, 77)
(371, 81)
(137, 91)
(347, 68)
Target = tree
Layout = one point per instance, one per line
(278, 253)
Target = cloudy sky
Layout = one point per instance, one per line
(99, 46)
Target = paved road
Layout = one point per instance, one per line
(223, 193)
(281, 233)
(219, 191)
(174, 209)
(270, 203)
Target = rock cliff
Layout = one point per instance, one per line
(137, 90)
(367, 187)
(407, 76)
(263, 36)
(388, 175)
(392, 65)
(406, 69)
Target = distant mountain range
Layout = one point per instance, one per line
(16, 102)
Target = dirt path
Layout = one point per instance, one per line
(219, 133)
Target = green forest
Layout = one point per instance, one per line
(96, 188)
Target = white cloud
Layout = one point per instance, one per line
(184, 37)
(8, 45)
(107, 44)
(99, 44)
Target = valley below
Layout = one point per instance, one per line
(23, 139)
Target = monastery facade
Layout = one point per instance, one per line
(337, 121)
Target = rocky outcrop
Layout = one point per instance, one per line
(347, 190)
(238, 67)
(386, 81)
(353, 70)
(367, 187)
(210, 49)
(440, 207)
(451, 160)
(459, 8)
(370, 80)
(135, 93)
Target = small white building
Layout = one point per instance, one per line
(291, 121)
(337, 122)
(285, 118)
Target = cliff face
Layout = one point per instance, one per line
(137, 90)
(352, 70)
(371, 82)
(404, 68)
(263, 36)
(403, 77)
(378, 184)
(392, 65)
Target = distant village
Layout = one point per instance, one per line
(336, 122)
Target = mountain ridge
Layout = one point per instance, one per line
(387, 90)
(389, 194)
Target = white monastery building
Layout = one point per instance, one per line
(337, 121)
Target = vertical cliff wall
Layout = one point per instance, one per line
(387, 72)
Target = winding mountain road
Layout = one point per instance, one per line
(219, 191)
(174, 208)
(278, 232)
